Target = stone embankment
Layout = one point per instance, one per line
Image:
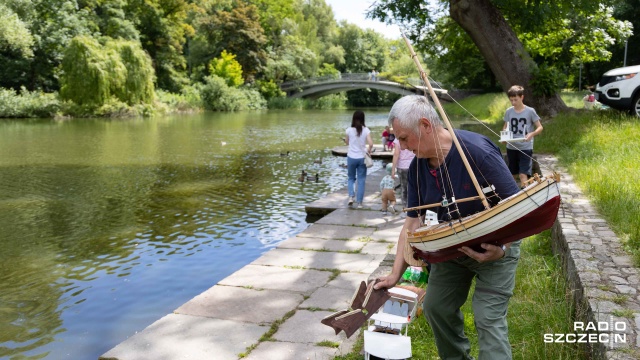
(603, 281)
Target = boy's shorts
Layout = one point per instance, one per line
(520, 161)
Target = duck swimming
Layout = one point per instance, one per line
(303, 176)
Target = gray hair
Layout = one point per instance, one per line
(408, 110)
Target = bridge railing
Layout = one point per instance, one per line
(290, 85)
(340, 77)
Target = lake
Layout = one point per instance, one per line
(108, 225)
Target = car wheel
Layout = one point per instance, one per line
(635, 106)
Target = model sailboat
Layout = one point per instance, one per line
(528, 212)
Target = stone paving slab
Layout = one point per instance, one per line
(321, 244)
(377, 247)
(337, 232)
(338, 199)
(348, 281)
(389, 232)
(188, 337)
(314, 331)
(327, 204)
(394, 222)
(329, 298)
(320, 260)
(281, 350)
(277, 278)
(352, 217)
(239, 304)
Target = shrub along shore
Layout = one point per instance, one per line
(601, 149)
(214, 95)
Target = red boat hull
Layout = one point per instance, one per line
(533, 223)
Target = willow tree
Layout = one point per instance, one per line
(89, 72)
(92, 74)
(138, 85)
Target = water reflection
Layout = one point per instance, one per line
(109, 225)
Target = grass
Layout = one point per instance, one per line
(540, 305)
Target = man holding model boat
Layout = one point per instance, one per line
(438, 175)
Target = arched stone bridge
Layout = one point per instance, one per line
(321, 86)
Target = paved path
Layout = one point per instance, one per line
(281, 296)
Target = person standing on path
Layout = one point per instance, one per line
(490, 269)
(524, 123)
(358, 137)
(401, 160)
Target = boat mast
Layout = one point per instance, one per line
(423, 75)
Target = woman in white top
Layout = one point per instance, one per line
(358, 136)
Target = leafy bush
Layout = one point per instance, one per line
(27, 104)
(547, 80)
(329, 70)
(269, 89)
(218, 96)
(228, 68)
(112, 108)
(187, 101)
(285, 103)
(333, 101)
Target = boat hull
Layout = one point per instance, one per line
(529, 212)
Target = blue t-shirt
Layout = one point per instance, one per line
(488, 166)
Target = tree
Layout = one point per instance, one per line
(50, 25)
(92, 73)
(227, 68)
(15, 37)
(364, 50)
(272, 15)
(238, 31)
(163, 33)
(486, 24)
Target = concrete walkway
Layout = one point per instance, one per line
(271, 308)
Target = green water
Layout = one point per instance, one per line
(108, 225)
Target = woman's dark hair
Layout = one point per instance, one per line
(358, 121)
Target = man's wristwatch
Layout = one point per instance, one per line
(504, 250)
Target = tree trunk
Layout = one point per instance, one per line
(502, 50)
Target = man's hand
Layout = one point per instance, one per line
(387, 282)
(492, 253)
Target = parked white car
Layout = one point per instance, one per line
(620, 89)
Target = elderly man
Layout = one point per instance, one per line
(438, 171)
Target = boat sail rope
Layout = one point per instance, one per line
(522, 214)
